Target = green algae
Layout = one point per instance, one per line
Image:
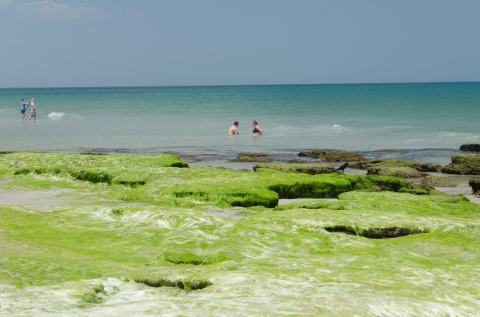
(295, 168)
(146, 181)
(186, 285)
(464, 164)
(267, 262)
(94, 296)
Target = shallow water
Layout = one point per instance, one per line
(195, 119)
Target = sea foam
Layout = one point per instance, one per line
(56, 115)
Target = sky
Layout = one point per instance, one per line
(58, 43)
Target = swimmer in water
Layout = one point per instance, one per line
(234, 129)
(33, 109)
(257, 129)
(23, 108)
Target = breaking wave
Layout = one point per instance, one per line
(56, 115)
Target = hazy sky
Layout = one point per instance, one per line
(202, 42)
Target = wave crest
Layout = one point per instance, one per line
(56, 115)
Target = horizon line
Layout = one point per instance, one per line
(245, 85)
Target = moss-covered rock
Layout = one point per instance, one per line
(253, 157)
(332, 155)
(295, 168)
(379, 165)
(399, 171)
(465, 165)
(302, 161)
(363, 165)
(399, 168)
(177, 231)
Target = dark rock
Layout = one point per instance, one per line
(475, 184)
(333, 155)
(342, 167)
(363, 165)
(470, 147)
(253, 157)
(301, 161)
(307, 169)
(376, 233)
(92, 153)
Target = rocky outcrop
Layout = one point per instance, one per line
(400, 168)
(475, 184)
(464, 165)
(333, 155)
(363, 165)
(302, 161)
(253, 157)
(399, 171)
(425, 167)
(291, 168)
(470, 147)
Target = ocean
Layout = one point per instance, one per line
(421, 121)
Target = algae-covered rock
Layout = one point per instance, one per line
(470, 147)
(418, 166)
(363, 165)
(399, 168)
(301, 161)
(253, 157)
(465, 165)
(399, 171)
(332, 155)
(147, 180)
(172, 233)
(307, 169)
(426, 167)
(475, 184)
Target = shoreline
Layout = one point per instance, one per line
(194, 154)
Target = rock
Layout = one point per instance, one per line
(426, 167)
(307, 169)
(333, 155)
(399, 171)
(464, 165)
(363, 165)
(399, 168)
(301, 161)
(475, 184)
(253, 157)
(443, 180)
(470, 147)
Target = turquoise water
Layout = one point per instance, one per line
(359, 117)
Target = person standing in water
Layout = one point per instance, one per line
(234, 129)
(33, 109)
(257, 129)
(23, 108)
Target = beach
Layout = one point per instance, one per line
(135, 201)
(121, 234)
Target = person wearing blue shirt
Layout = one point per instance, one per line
(23, 108)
